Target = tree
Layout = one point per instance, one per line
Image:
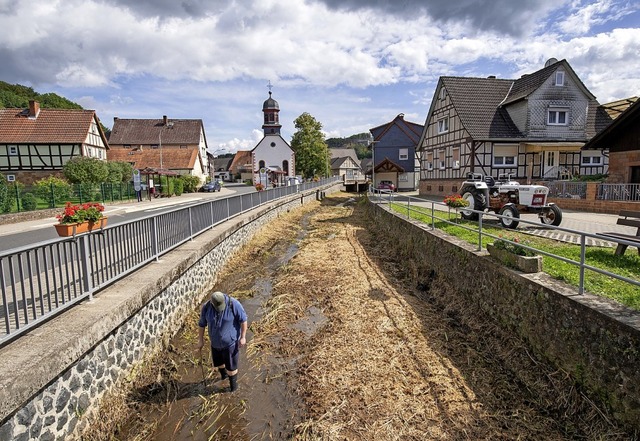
(312, 154)
(85, 170)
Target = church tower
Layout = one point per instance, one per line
(271, 109)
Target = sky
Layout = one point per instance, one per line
(351, 64)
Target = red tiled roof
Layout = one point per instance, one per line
(64, 126)
(240, 160)
(172, 158)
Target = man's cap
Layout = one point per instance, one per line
(218, 301)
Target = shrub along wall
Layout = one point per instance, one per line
(594, 339)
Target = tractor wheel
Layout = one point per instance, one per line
(511, 214)
(552, 216)
(476, 201)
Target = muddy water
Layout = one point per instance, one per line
(191, 402)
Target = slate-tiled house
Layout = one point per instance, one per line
(36, 143)
(394, 153)
(178, 145)
(622, 140)
(532, 128)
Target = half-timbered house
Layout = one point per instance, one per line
(532, 128)
(37, 142)
(394, 153)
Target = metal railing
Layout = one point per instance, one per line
(39, 281)
(618, 192)
(566, 189)
(429, 208)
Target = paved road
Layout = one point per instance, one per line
(31, 232)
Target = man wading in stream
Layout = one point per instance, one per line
(227, 323)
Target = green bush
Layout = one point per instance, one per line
(83, 169)
(178, 186)
(28, 202)
(53, 190)
(6, 201)
(190, 183)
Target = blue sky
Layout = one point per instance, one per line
(352, 64)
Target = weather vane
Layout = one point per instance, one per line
(269, 86)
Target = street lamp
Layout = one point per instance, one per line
(168, 126)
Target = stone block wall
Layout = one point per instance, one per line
(593, 338)
(60, 409)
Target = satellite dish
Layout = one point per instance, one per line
(550, 61)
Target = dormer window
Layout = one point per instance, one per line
(559, 78)
(557, 117)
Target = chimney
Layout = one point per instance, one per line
(164, 120)
(34, 109)
(115, 118)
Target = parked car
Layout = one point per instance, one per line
(211, 186)
(386, 185)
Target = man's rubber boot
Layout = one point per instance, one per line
(233, 382)
(223, 373)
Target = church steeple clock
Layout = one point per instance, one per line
(271, 109)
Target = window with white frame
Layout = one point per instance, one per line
(404, 177)
(557, 116)
(442, 159)
(429, 161)
(455, 157)
(403, 154)
(13, 150)
(443, 125)
(591, 159)
(505, 155)
(559, 78)
(443, 93)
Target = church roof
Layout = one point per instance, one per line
(270, 103)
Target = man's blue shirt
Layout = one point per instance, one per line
(224, 327)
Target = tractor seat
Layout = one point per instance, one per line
(489, 181)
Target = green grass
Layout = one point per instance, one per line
(627, 265)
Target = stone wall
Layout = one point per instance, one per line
(51, 393)
(594, 339)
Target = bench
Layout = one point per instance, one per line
(630, 219)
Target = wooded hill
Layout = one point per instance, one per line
(18, 96)
(359, 142)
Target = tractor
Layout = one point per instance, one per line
(507, 198)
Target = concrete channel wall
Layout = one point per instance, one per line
(53, 377)
(594, 339)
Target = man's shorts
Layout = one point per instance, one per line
(227, 356)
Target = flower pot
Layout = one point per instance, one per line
(68, 230)
(100, 223)
(525, 264)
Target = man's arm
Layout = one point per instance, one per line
(200, 337)
(243, 333)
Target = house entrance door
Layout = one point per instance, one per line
(550, 164)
